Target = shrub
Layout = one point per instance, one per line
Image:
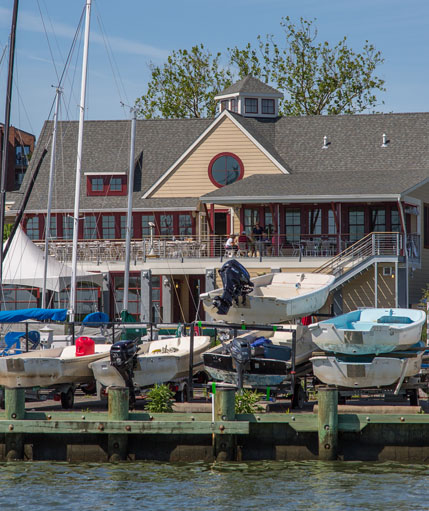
(246, 401)
(160, 399)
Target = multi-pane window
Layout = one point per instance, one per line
(356, 223)
(32, 228)
(225, 169)
(108, 227)
(293, 225)
(90, 227)
(395, 220)
(268, 218)
(234, 105)
(251, 217)
(87, 298)
(185, 224)
(166, 225)
(315, 221)
(267, 106)
(53, 227)
(22, 153)
(124, 227)
(116, 184)
(146, 219)
(19, 177)
(97, 184)
(224, 105)
(378, 220)
(332, 225)
(67, 227)
(156, 299)
(15, 298)
(251, 105)
(133, 295)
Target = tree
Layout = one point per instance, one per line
(315, 77)
(185, 86)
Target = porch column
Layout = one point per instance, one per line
(106, 294)
(210, 285)
(146, 296)
(167, 299)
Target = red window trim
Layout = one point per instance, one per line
(106, 186)
(218, 156)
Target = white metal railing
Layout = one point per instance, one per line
(213, 246)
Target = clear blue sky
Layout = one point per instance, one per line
(140, 31)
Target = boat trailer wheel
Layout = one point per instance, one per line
(67, 399)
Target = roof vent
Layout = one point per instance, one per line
(325, 142)
(385, 141)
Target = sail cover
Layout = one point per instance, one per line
(35, 314)
(24, 266)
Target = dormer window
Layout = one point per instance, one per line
(106, 185)
(251, 105)
(224, 105)
(234, 105)
(268, 106)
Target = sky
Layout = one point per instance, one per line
(126, 36)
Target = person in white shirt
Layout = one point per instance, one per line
(230, 245)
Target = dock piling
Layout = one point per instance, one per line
(14, 410)
(328, 423)
(224, 410)
(118, 410)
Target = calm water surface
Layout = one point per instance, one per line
(265, 486)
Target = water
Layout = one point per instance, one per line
(262, 486)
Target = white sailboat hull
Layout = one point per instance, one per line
(46, 368)
(158, 361)
(367, 336)
(382, 371)
(276, 298)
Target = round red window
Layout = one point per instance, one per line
(225, 168)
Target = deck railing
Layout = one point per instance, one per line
(337, 248)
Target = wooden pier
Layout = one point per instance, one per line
(119, 434)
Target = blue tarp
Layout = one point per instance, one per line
(35, 314)
(96, 319)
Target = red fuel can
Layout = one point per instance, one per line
(84, 346)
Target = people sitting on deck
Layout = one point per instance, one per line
(230, 246)
(243, 243)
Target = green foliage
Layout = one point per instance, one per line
(185, 86)
(7, 231)
(316, 78)
(246, 401)
(160, 399)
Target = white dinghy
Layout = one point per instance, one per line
(157, 361)
(268, 299)
(369, 331)
(48, 368)
(375, 371)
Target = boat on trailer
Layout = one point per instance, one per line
(267, 299)
(156, 361)
(259, 358)
(368, 371)
(369, 331)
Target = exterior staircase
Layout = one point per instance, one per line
(355, 259)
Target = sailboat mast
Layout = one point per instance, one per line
(4, 159)
(50, 191)
(72, 309)
(129, 211)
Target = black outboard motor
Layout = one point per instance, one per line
(123, 357)
(236, 282)
(241, 353)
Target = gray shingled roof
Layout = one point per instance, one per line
(159, 143)
(249, 84)
(316, 184)
(354, 147)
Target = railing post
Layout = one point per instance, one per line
(328, 423)
(373, 244)
(224, 446)
(118, 410)
(14, 410)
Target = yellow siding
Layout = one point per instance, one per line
(360, 291)
(191, 178)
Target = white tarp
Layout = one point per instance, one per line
(24, 265)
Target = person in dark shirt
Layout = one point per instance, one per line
(257, 236)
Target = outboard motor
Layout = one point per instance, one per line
(241, 353)
(236, 282)
(123, 356)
